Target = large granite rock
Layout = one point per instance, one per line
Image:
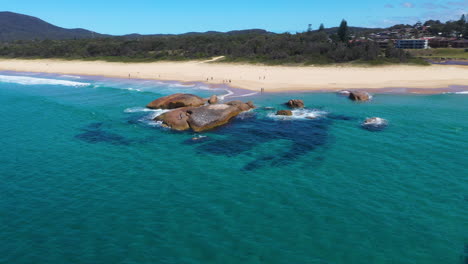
(203, 118)
(211, 116)
(176, 119)
(284, 113)
(359, 96)
(176, 101)
(295, 103)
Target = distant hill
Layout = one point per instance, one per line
(354, 30)
(15, 26)
(230, 33)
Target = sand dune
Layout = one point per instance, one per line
(255, 77)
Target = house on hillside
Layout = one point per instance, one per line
(460, 43)
(440, 42)
(412, 44)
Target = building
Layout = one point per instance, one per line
(460, 44)
(412, 44)
(440, 42)
(383, 44)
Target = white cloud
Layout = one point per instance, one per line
(407, 5)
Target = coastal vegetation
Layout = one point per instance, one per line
(341, 44)
(307, 48)
(442, 53)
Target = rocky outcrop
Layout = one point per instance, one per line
(203, 118)
(176, 119)
(295, 103)
(176, 101)
(241, 105)
(284, 113)
(211, 116)
(359, 96)
(213, 99)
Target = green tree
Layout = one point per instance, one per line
(343, 31)
(322, 27)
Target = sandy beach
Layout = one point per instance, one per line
(255, 77)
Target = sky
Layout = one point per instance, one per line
(120, 17)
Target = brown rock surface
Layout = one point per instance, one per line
(359, 96)
(284, 112)
(175, 101)
(176, 119)
(211, 116)
(213, 99)
(295, 103)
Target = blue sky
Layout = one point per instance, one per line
(179, 16)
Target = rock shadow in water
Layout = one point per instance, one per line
(94, 133)
(244, 135)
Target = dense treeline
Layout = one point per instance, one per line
(311, 47)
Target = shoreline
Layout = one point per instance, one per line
(274, 79)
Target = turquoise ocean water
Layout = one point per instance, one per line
(86, 177)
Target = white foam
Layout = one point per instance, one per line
(245, 95)
(300, 114)
(375, 121)
(181, 85)
(229, 93)
(133, 89)
(464, 92)
(143, 109)
(70, 76)
(149, 119)
(38, 81)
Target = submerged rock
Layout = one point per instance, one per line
(374, 123)
(359, 96)
(295, 103)
(284, 113)
(203, 118)
(176, 101)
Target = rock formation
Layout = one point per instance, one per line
(295, 103)
(359, 96)
(284, 112)
(204, 117)
(176, 101)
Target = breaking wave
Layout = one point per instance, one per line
(38, 81)
(300, 114)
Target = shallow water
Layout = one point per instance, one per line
(87, 177)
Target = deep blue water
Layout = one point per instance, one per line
(87, 177)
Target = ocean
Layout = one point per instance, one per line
(88, 177)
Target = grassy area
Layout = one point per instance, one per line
(447, 53)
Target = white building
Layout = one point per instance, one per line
(412, 43)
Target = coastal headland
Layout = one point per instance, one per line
(256, 77)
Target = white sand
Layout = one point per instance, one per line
(255, 77)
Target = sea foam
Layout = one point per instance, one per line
(300, 114)
(38, 81)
